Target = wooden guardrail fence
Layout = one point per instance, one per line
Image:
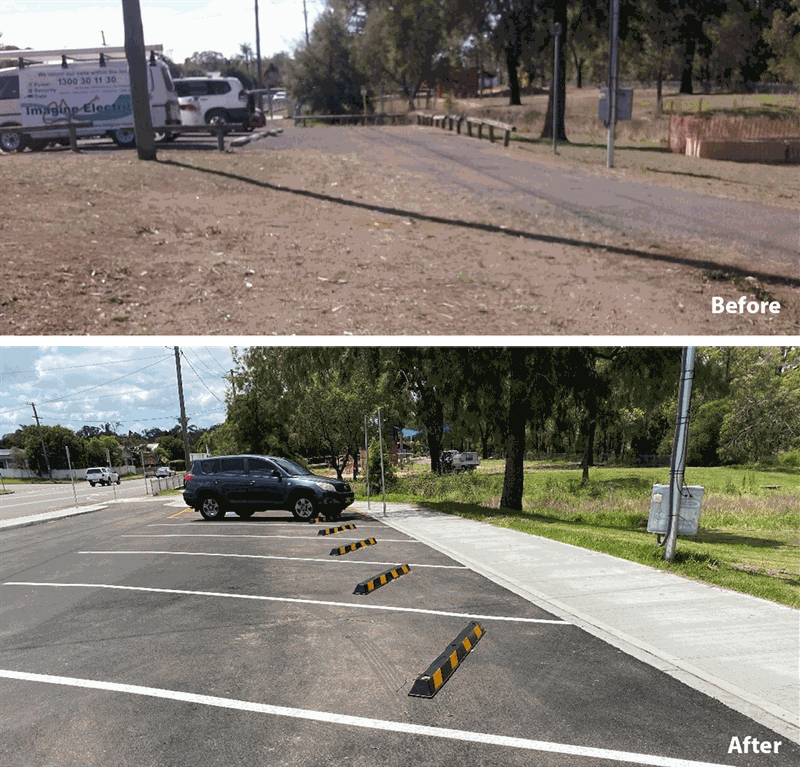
(450, 121)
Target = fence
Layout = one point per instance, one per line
(157, 485)
(78, 474)
(353, 119)
(455, 121)
(683, 128)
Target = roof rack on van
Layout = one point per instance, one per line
(76, 54)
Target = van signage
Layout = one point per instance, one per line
(81, 93)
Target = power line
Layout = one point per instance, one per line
(201, 380)
(72, 367)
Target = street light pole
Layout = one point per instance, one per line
(613, 68)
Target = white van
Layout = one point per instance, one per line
(52, 88)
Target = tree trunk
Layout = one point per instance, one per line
(512, 60)
(588, 455)
(513, 481)
(659, 93)
(688, 67)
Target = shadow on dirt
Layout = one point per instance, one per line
(517, 233)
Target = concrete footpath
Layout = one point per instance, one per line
(740, 650)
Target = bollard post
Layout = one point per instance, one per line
(73, 137)
(220, 138)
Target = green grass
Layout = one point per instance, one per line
(748, 540)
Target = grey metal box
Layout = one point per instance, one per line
(688, 513)
(624, 104)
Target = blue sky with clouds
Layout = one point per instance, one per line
(135, 386)
(181, 26)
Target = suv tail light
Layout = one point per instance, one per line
(187, 478)
(189, 107)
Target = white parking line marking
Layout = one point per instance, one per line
(315, 537)
(353, 605)
(328, 560)
(359, 721)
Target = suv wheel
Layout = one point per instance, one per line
(217, 117)
(304, 509)
(92, 484)
(211, 508)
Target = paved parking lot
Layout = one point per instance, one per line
(144, 635)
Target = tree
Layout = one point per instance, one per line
(431, 378)
(764, 414)
(400, 40)
(783, 38)
(96, 447)
(656, 31)
(55, 439)
(324, 73)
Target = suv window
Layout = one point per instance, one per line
(260, 466)
(192, 87)
(210, 467)
(231, 465)
(218, 87)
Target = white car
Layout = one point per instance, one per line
(211, 100)
(102, 476)
(165, 471)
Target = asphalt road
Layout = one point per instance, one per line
(30, 499)
(141, 635)
(767, 238)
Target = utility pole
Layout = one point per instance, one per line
(679, 448)
(137, 69)
(305, 13)
(41, 437)
(183, 408)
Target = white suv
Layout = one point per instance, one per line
(102, 476)
(211, 100)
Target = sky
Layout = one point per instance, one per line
(133, 388)
(183, 27)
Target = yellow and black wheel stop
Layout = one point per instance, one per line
(429, 683)
(369, 586)
(352, 547)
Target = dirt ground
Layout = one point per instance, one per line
(299, 240)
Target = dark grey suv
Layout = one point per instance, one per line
(250, 483)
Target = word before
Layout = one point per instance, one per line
(720, 305)
(753, 745)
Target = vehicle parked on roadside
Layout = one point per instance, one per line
(51, 88)
(165, 471)
(246, 484)
(212, 100)
(454, 460)
(101, 475)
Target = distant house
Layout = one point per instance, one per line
(12, 458)
(463, 83)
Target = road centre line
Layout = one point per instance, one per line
(404, 728)
(314, 537)
(327, 560)
(291, 600)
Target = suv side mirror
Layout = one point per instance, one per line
(277, 475)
